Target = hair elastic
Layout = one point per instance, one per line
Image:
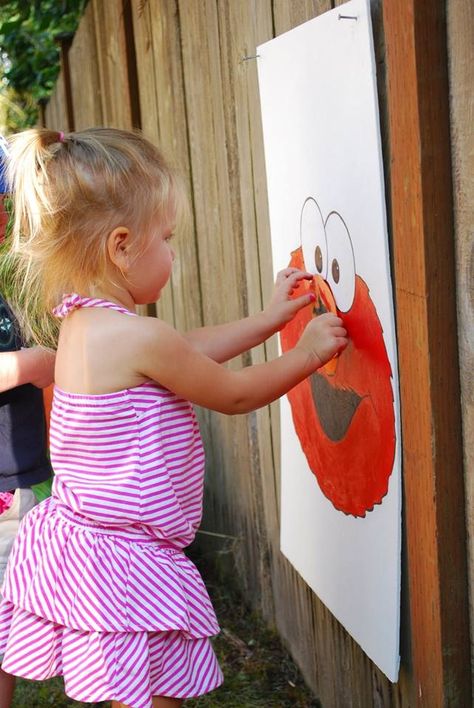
(61, 136)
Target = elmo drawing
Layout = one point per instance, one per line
(343, 414)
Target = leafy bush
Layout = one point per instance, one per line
(30, 55)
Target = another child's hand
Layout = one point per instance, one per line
(282, 308)
(26, 366)
(323, 337)
(40, 366)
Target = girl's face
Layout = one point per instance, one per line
(151, 269)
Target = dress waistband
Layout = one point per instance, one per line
(129, 532)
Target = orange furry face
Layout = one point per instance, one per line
(343, 414)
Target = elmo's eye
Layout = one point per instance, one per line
(318, 259)
(341, 274)
(313, 238)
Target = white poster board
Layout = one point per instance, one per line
(341, 490)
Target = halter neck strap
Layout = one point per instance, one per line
(73, 301)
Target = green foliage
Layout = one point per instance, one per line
(43, 489)
(30, 54)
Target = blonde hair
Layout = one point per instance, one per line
(69, 192)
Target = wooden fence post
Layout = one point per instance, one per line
(423, 240)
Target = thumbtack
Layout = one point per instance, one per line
(347, 17)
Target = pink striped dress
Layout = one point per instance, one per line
(98, 588)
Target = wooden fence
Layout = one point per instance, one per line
(175, 69)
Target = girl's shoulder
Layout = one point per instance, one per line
(105, 330)
(142, 329)
(151, 336)
(140, 338)
(100, 352)
(112, 322)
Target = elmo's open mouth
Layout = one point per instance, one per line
(335, 407)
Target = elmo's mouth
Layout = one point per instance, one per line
(335, 407)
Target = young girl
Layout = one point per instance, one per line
(98, 588)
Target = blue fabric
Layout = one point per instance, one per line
(23, 456)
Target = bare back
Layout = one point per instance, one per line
(96, 351)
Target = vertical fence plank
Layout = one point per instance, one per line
(209, 159)
(242, 26)
(174, 138)
(422, 228)
(112, 63)
(84, 71)
(269, 442)
(145, 39)
(460, 17)
(56, 111)
(223, 282)
(164, 123)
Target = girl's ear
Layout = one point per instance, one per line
(119, 247)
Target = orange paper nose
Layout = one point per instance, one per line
(324, 296)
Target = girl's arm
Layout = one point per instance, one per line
(223, 342)
(160, 353)
(34, 365)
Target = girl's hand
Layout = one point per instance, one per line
(282, 308)
(323, 337)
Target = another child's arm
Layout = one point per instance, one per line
(161, 354)
(34, 365)
(223, 342)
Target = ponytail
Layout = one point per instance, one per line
(27, 177)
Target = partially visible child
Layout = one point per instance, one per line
(98, 588)
(23, 458)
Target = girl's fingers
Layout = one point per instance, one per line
(339, 332)
(303, 274)
(299, 275)
(298, 302)
(294, 273)
(342, 343)
(286, 272)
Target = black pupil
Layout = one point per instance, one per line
(318, 257)
(335, 271)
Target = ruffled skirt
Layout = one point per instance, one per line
(120, 615)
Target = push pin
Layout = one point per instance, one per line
(347, 17)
